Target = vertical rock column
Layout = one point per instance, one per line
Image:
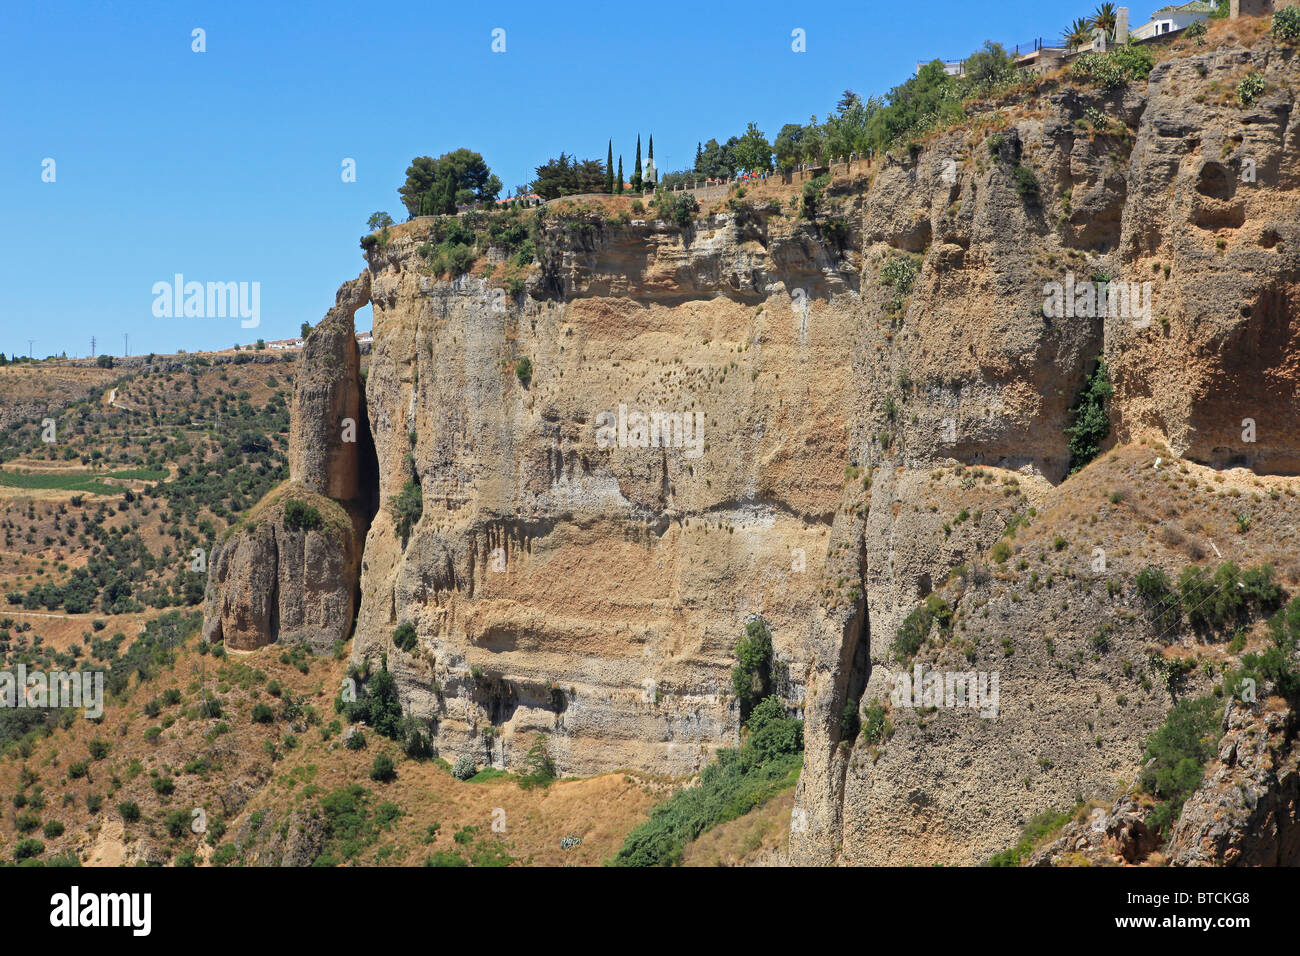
(296, 580)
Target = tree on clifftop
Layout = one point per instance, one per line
(609, 168)
(435, 186)
(568, 176)
(636, 173)
(753, 153)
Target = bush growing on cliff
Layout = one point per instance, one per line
(464, 767)
(405, 637)
(677, 208)
(1039, 830)
(407, 508)
(539, 768)
(751, 677)
(1114, 69)
(1286, 25)
(1026, 184)
(301, 517)
(916, 626)
(1248, 90)
(379, 705)
(1176, 754)
(524, 371)
(1091, 421)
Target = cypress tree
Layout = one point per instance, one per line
(651, 153)
(609, 169)
(620, 174)
(699, 155)
(636, 173)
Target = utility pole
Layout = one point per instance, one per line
(30, 343)
(92, 346)
(126, 348)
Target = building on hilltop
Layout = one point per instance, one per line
(1173, 18)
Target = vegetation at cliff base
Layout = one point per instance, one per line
(1090, 419)
(738, 781)
(1040, 829)
(751, 678)
(1176, 754)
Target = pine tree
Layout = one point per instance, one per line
(609, 169)
(620, 174)
(636, 173)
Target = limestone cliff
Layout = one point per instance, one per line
(294, 579)
(858, 407)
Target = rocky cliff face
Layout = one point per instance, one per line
(294, 578)
(1247, 813)
(856, 409)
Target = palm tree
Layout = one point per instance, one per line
(1104, 18)
(1080, 32)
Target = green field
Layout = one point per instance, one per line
(83, 481)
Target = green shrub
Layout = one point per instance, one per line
(751, 677)
(539, 768)
(1026, 183)
(677, 208)
(407, 508)
(1115, 68)
(262, 714)
(405, 637)
(1286, 25)
(1175, 757)
(524, 371)
(130, 811)
(464, 767)
(735, 783)
(26, 849)
(1090, 419)
(877, 728)
(1039, 830)
(53, 829)
(177, 823)
(1249, 89)
(916, 626)
(300, 517)
(383, 770)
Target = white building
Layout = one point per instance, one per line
(1171, 19)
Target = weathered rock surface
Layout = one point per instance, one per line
(1247, 813)
(272, 580)
(864, 442)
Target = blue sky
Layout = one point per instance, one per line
(225, 165)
